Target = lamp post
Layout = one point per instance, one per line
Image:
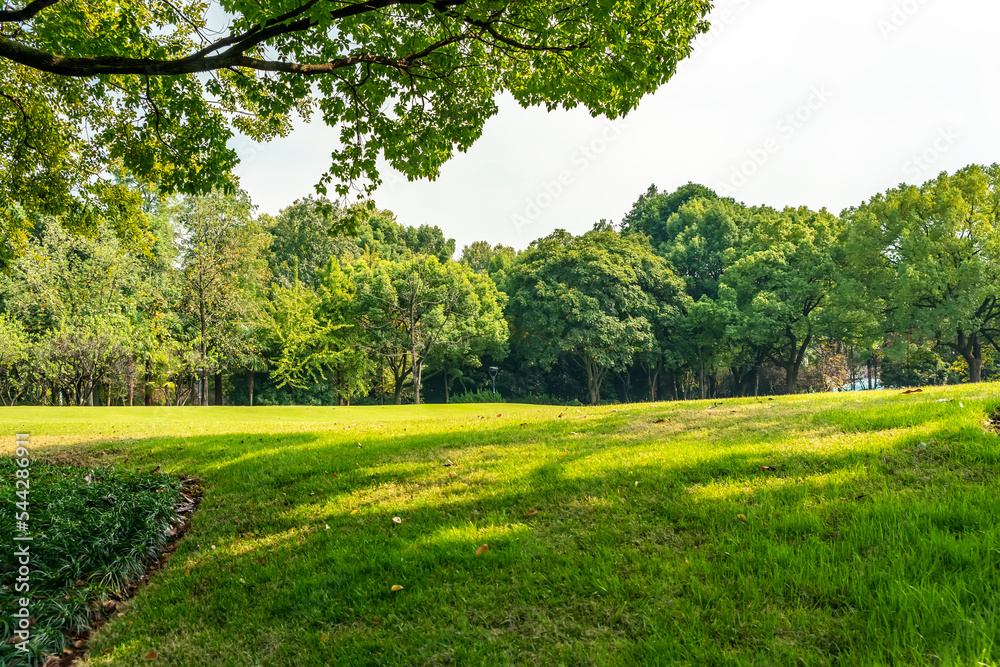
(493, 377)
(201, 373)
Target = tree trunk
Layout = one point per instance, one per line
(701, 377)
(204, 349)
(148, 385)
(250, 385)
(418, 370)
(594, 377)
(653, 379)
(218, 388)
(398, 391)
(791, 379)
(446, 385)
(971, 349)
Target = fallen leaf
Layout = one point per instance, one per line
(913, 391)
(481, 550)
(311, 495)
(742, 517)
(354, 511)
(152, 655)
(532, 512)
(768, 468)
(499, 415)
(323, 638)
(396, 519)
(79, 643)
(187, 572)
(335, 475)
(396, 587)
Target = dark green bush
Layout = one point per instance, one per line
(94, 532)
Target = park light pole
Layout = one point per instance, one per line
(201, 372)
(493, 377)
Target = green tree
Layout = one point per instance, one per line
(652, 214)
(930, 258)
(158, 90)
(303, 239)
(14, 359)
(777, 288)
(302, 348)
(596, 298)
(83, 301)
(420, 307)
(223, 273)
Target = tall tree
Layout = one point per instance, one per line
(931, 259)
(778, 286)
(595, 298)
(224, 270)
(421, 306)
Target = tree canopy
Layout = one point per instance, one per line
(95, 91)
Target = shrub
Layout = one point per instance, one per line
(95, 531)
(481, 396)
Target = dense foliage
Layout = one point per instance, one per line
(692, 295)
(97, 531)
(157, 91)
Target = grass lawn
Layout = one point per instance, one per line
(612, 539)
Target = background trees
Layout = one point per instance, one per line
(731, 299)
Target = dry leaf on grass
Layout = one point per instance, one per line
(481, 550)
(152, 655)
(532, 512)
(396, 587)
(396, 519)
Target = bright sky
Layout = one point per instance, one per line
(785, 102)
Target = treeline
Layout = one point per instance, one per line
(691, 295)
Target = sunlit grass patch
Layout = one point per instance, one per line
(849, 529)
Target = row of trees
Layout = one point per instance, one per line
(691, 295)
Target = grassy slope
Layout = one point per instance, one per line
(876, 542)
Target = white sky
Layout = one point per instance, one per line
(786, 102)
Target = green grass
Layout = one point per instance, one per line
(876, 540)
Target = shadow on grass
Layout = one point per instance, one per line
(642, 550)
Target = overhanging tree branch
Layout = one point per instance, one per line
(25, 13)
